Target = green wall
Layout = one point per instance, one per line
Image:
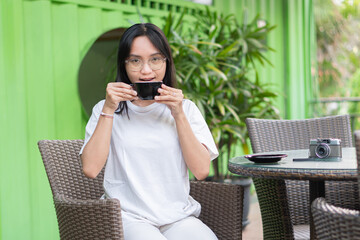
(42, 43)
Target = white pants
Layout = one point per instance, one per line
(190, 228)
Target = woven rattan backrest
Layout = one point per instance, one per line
(63, 168)
(357, 146)
(277, 135)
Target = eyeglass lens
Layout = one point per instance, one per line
(136, 64)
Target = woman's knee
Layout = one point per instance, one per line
(188, 228)
(141, 230)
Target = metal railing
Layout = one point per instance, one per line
(337, 106)
(131, 5)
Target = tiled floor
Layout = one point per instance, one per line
(253, 231)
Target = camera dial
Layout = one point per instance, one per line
(322, 150)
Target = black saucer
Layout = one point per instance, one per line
(265, 158)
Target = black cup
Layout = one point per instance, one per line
(147, 90)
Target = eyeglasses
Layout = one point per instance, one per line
(136, 64)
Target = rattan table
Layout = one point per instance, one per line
(317, 172)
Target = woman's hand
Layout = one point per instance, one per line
(196, 155)
(172, 97)
(115, 93)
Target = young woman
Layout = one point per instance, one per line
(149, 145)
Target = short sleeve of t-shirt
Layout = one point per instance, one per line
(91, 125)
(200, 128)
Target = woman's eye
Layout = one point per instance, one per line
(155, 59)
(135, 60)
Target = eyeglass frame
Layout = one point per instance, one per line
(143, 62)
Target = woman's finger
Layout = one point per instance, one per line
(122, 90)
(170, 89)
(123, 87)
(173, 92)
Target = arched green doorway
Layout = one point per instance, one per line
(97, 68)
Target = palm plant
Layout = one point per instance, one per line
(216, 63)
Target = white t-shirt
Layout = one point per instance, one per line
(145, 168)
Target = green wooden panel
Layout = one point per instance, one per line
(276, 41)
(65, 71)
(295, 56)
(221, 6)
(2, 119)
(310, 56)
(275, 74)
(14, 177)
(260, 9)
(233, 7)
(90, 28)
(40, 112)
(112, 20)
(252, 8)
(157, 20)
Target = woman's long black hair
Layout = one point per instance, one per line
(158, 39)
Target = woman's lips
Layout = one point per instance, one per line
(146, 79)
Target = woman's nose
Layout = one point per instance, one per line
(146, 68)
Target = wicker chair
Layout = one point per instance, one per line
(332, 222)
(277, 135)
(82, 214)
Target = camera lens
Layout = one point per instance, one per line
(322, 150)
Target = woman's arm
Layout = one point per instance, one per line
(196, 155)
(96, 151)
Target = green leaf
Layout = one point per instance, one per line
(265, 59)
(229, 65)
(189, 73)
(194, 48)
(205, 76)
(216, 133)
(180, 20)
(167, 27)
(221, 108)
(256, 43)
(216, 70)
(244, 46)
(211, 44)
(229, 48)
(233, 112)
(236, 133)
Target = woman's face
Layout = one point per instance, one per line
(144, 53)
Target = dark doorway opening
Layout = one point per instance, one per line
(98, 68)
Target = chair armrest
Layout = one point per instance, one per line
(88, 219)
(332, 222)
(221, 207)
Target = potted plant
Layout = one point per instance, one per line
(215, 62)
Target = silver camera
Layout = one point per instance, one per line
(325, 148)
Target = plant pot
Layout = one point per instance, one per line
(246, 184)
